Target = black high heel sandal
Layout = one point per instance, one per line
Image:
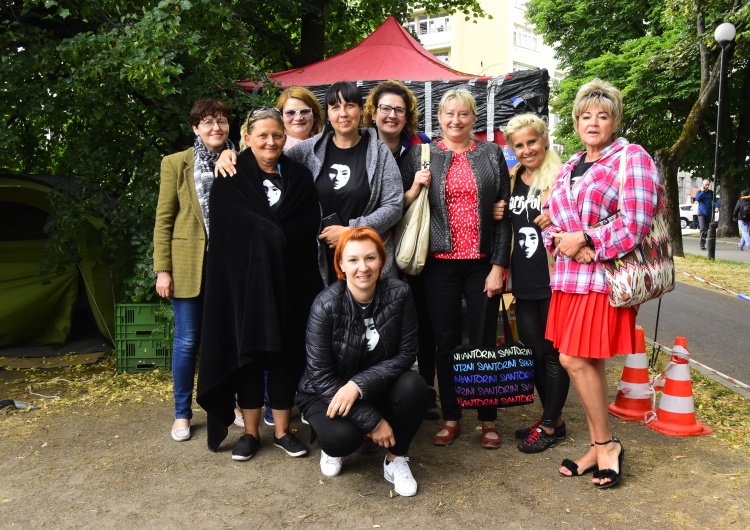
(573, 468)
(614, 477)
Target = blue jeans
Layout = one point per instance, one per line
(744, 234)
(188, 316)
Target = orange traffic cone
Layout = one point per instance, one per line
(676, 413)
(633, 398)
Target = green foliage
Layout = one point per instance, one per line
(651, 51)
(100, 92)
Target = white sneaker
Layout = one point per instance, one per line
(330, 466)
(398, 473)
(239, 421)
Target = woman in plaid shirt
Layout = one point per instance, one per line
(582, 324)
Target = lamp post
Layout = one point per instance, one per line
(724, 34)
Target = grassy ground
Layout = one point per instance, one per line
(732, 275)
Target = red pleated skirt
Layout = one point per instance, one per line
(585, 325)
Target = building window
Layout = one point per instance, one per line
(520, 67)
(424, 25)
(443, 56)
(525, 38)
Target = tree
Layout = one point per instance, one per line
(662, 58)
(295, 33)
(99, 91)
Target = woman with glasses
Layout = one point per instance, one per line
(303, 117)
(356, 177)
(180, 242)
(391, 112)
(261, 279)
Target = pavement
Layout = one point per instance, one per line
(726, 248)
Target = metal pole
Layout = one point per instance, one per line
(711, 237)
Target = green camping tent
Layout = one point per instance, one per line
(38, 310)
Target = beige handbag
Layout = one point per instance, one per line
(412, 233)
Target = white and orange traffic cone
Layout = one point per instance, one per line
(676, 413)
(633, 398)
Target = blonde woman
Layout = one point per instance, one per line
(530, 183)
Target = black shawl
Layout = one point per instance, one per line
(261, 279)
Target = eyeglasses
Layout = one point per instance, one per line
(387, 109)
(221, 122)
(303, 113)
(257, 111)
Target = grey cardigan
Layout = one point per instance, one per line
(385, 206)
(493, 183)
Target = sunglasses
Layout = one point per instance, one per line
(257, 111)
(303, 113)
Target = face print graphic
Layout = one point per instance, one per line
(339, 174)
(528, 240)
(371, 334)
(272, 192)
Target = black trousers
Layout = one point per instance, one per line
(403, 405)
(282, 385)
(703, 222)
(551, 380)
(426, 353)
(447, 282)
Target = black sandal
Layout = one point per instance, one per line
(614, 477)
(573, 468)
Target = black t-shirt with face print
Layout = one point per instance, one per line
(343, 187)
(273, 184)
(529, 259)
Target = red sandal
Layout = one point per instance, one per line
(447, 439)
(491, 443)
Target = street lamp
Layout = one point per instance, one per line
(724, 34)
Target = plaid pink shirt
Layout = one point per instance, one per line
(593, 198)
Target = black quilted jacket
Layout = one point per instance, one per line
(493, 183)
(334, 347)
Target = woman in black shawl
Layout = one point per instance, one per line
(261, 279)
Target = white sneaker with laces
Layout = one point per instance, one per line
(330, 466)
(397, 472)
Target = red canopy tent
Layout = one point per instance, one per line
(388, 53)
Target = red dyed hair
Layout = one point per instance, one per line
(360, 233)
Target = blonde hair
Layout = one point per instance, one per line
(268, 113)
(462, 95)
(605, 95)
(397, 89)
(545, 176)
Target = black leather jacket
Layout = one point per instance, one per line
(335, 354)
(493, 183)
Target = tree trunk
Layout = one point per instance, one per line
(313, 33)
(664, 160)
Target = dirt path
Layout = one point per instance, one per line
(117, 467)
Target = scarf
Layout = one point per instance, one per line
(204, 163)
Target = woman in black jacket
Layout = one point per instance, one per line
(361, 344)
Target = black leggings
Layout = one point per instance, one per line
(403, 404)
(551, 379)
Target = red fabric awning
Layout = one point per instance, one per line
(388, 53)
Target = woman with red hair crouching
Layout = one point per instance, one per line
(361, 344)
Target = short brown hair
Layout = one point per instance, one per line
(399, 89)
(359, 233)
(209, 107)
(603, 94)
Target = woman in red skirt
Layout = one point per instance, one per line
(582, 324)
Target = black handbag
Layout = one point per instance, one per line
(501, 376)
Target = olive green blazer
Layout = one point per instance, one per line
(179, 232)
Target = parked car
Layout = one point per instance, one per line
(686, 216)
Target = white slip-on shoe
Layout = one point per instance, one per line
(397, 472)
(330, 466)
(181, 434)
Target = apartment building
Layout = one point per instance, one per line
(504, 44)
